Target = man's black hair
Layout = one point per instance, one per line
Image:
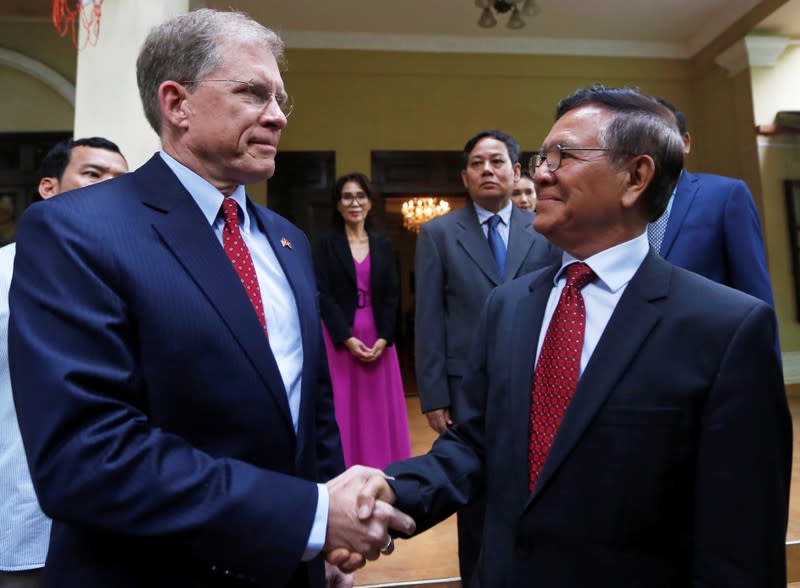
(57, 159)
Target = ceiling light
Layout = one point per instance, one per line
(516, 7)
(487, 19)
(515, 22)
(420, 209)
(530, 8)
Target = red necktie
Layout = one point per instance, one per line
(558, 368)
(239, 255)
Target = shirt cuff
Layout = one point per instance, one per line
(316, 538)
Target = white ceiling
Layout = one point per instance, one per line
(648, 28)
(645, 28)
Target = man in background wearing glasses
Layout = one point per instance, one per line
(166, 353)
(626, 417)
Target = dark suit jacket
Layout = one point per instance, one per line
(454, 273)
(671, 467)
(166, 453)
(338, 295)
(713, 230)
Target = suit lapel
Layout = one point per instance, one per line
(304, 296)
(685, 193)
(469, 235)
(520, 240)
(344, 255)
(187, 234)
(630, 324)
(525, 338)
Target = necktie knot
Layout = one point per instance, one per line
(230, 211)
(579, 275)
(496, 244)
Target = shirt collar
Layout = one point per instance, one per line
(614, 266)
(484, 215)
(207, 197)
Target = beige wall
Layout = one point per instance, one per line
(353, 102)
(778, 158)
(27, 104)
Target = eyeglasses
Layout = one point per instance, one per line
(348, 199)
(554, 155)
(257, 94)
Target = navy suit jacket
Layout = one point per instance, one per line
(454, 273)
(155, 420)
(713, 230)
(672, 464)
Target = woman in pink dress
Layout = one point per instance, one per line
(358, 302)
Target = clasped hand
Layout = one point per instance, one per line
(360, 514)
(362, 352)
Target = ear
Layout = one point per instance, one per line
(175, 109)
(517, 171)
(48, 187)
(640, 173)
(687, 143)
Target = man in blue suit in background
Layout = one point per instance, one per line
(711, 227)
(165, 347)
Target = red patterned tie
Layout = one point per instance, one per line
(557, 370)
(240, 257)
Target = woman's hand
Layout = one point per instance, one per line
(360, 351)
(378, 348)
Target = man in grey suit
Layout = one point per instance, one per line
(460, 258)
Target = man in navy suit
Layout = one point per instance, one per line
(653, 445)
(455, 269)
(166, 353)
(711, 227)
(69, 164)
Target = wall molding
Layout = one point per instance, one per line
(38, 70)
(791, 367)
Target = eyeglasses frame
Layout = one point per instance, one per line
(283, 100)
(540, 157)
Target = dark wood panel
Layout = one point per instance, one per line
(418, 172)
(301, 188)
(21, 156)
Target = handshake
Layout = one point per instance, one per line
(360, 514)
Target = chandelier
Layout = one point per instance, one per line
(516, 7)
(420, 209)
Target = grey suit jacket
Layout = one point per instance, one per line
(454, 274)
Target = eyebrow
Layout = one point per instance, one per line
(92, 165)
(492, 154)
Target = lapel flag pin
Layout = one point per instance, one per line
(286, 243)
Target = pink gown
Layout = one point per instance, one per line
(368, 397)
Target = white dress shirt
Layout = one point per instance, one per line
(280, 309)
(24, 529)
(614, 268)
(504, 224)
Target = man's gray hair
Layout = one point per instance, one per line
(188, 47)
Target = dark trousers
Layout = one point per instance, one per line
(470, 533)
(21, 579)
(470, 518)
